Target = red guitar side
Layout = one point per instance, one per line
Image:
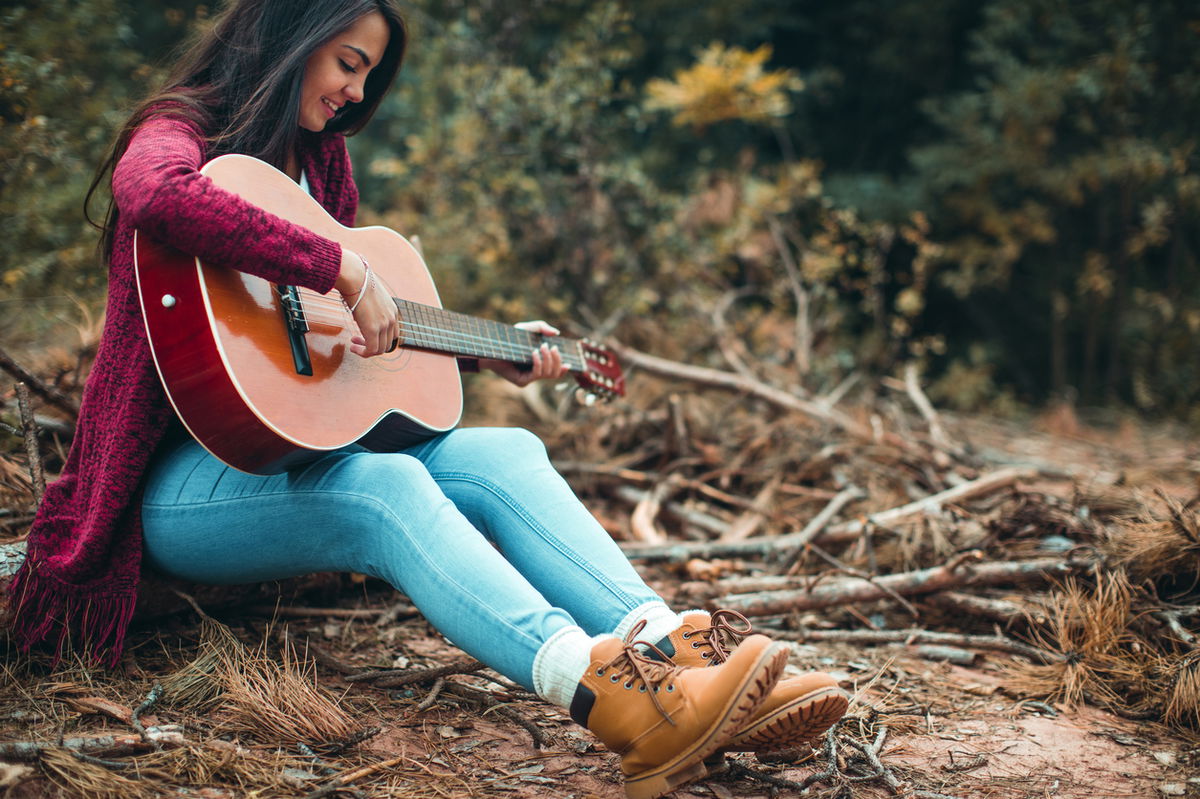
(263, 376)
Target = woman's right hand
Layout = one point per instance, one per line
(374, 312)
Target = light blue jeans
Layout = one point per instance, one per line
(475, 526)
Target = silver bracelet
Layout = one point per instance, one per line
(368, 280)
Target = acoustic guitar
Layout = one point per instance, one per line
(262, 374)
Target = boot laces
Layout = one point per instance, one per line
(637, 669)
(726, 630)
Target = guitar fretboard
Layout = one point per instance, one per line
(432, 328)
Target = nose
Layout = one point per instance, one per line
(354, 91)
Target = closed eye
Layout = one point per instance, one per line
(348, 67)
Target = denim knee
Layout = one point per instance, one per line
(374, 477)
(494, 450)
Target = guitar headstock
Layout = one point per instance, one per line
(601, 375)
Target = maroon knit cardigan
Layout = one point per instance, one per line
(78, 585)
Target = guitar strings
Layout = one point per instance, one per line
(443, 338)
(329, 311)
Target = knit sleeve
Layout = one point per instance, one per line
(158, 189)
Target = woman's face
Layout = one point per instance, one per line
(336, 72)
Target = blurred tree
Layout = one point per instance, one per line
(69, 73)
(1065, 186)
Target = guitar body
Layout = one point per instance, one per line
(222, 348)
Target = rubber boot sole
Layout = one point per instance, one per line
(794, 724)
(689, 764)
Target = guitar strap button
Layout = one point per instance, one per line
(168, 301)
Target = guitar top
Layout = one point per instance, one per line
(263, 376)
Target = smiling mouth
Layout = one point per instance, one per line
(333, 109)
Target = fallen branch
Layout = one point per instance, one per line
(750, 520)
(850, 590)
(908, 637)
(839, 533)
(428, 701)
(395, 678)
(819, 522)
(32, 451)
(968, 606)
(120, 744)
(44, 390)
(351, 777)
(494, 705)
(871, 755)
(717, 378)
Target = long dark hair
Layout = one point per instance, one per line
(240, 79)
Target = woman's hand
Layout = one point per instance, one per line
(547, 359)
(374, 310)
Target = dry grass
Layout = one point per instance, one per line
(279, 700)
(79, 778)
(1090, 629)
(1152, 544)
(253, 694)
(1183, 700)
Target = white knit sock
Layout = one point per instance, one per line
(660, 620)
(560, 663)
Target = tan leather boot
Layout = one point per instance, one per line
(663, 719)
(798, 709)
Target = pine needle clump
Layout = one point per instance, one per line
(251, 693)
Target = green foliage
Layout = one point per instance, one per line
(69, 74)
(1005, 190)
(519, 177)
(1065, 187)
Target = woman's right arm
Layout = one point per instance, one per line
(158, 189)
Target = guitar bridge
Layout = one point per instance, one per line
(296, 325)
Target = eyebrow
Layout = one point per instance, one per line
(361, 54)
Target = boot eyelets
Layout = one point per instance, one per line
(687, 636)
(670, 689)
(599, 672)
(641, 689)
(705, 655)
(628, 686)
(615, 678)
(695, 644)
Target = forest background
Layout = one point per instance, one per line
(1002, 191)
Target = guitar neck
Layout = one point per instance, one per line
(431, 328)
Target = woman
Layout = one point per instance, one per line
(473, 525)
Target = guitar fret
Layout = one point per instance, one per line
(434, 328)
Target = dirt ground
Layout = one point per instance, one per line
(939, 730)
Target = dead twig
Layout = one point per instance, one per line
(831, 770)
(804, 335)
(297, 612)
(428, 701)
(32, 450)
(119, 744)
(923, 581)
(716, 378)
(749, 521)
(135, 718)
(997, 643)
(494, 705)
(351, 777)
(819, 522)
(871, 753)
(44, 390)
(396, 678)
(839, 533)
